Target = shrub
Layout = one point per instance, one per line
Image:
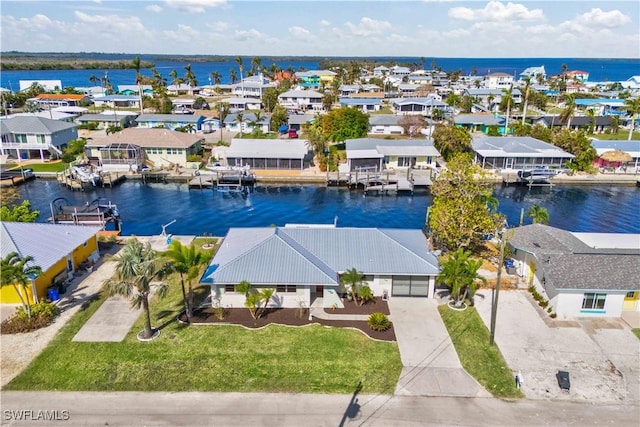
(549, 310)
(42, 315)
(194, 158)
(379, 322)
(553, 315)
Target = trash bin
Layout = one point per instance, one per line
(563, 380)
(52, 293)
(62, 288)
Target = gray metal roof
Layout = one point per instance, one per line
(516, 146)
(46, 243)
(34, 125)
(631, 147)
(294, 255)
(268, 148)
(569, 263)
(478, 119)
(390, 147)
(299, 119)
(294, 93)
(180, 118)
(384, 119)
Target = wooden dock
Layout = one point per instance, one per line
(110, 179)
(228, 180)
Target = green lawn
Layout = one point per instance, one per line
(637, 332)
(46, 167)
(482, 361)
(313, 359)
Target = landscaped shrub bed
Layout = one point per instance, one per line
(42, 314)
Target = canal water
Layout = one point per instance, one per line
(144, 208)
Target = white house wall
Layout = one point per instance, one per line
(279, 300)
(569, 305)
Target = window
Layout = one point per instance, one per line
(21, 138)
(40, 139)
(593, 301)
(229, 288)
(283, 289)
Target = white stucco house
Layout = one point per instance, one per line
(34, 137)
(375, 155)
(305, 262)
(581, 274)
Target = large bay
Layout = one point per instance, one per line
(145, 207)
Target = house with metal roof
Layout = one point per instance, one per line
(301, 100)
(47, 100)
(314, 78)
(297, 121)
(599, 123)
(375, 155)
(581, 274)
(498, 81)
(183, 89)
(365, 105)
(252, 86)
(117, 101)
(130, 148)
(517, 153)
(305, 262)
(632, 148)
(287, 154)
(130, 90)
(235, 122)
(33, 137)
(242, 104)
(58, 249)
(423, 106)
(385, 124)
(479, 122)
(490, 98)
(104, 120)
(171, 121)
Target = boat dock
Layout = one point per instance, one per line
(382, 182)
(104, 180)
(100, 212)
(229, 180)
(14, 177)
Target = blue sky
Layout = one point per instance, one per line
(430, 28)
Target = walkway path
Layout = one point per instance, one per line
(317, 310)
(430, 363)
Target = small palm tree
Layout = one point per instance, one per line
(136, 267)
(18, 272)
(216, 77)
(353, 279)
(266, 295)
(569, 110)
(186, 261)
(508, 95)
(632, 106)
(240, 119)
(539, 214)
(527, 89)
(460, 273)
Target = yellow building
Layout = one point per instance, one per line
(58, 249)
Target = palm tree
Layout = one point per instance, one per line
(570, 104)
(136, 67)
(591, 113)
(539, 214)
(256, 65)
(459, 273)
(233, 76)
(175, 79)
(527, 88)
(632, 105)
(257, 117)
(216, 77)
(241, 68)
(266, 295)
(190, 77)
(353, 279)
(239, 119)
(18, 272)
(508, 95)
(186, 260)
(136, 266)
(94, 79)
(113, 129)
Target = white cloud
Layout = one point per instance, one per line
(599, 18)
(497, 11)
(110, 23)
(246, 35)
(154, 8)
(300, 32)
(40, 22)
(368, 27)
(325, 23)
(183, 34)
(219, 26)
(194, 6)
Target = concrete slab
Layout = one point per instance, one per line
(431, 364)
(7, 310)
(110, 323)
(539, 348)
(159, 243)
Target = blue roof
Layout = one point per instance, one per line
(360, 101)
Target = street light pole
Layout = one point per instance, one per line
(496, 291)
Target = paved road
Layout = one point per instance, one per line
(237, 409)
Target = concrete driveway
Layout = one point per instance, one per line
(430, 363)
(601, 355)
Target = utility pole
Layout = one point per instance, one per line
(496, 291)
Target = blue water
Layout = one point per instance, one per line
(599, 69)
(145, 207)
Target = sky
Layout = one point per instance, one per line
(428, 28)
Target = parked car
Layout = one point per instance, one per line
(293, 133)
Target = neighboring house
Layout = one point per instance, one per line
(252, 86)
(315, 78)
(287, 154)
(602, 106)
(297, 121)
(420, 79)
(533, 73)
(422, 106)
(517, 152)
(117, 101)
(134, 90)
(380, 71)
(242, 104)
(49, 85)
(49, 114)
(183, 89)
(479, 122)
(249, 124)
(183, 105)
(576, 75)
(31, 137)
(375, 155)
(630, 147)
(491, 98)
(409, 89)
(365, 105)
(498, 81)
(105, 120)
(301, 100)
(600, 123)
(58, 249)
(170, 121)
(581, 274)
(210, 124)
(130, 148)
(304, 263)
(385, 124)
(50, 100)
(93, 91)
(398, 71)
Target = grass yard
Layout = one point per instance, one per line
(637, 332)
(312, 359)
(482, 361)
(46, 167)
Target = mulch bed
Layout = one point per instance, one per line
(288, 316)
(350, 307)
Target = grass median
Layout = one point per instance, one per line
(480, 359)
(312, 359)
